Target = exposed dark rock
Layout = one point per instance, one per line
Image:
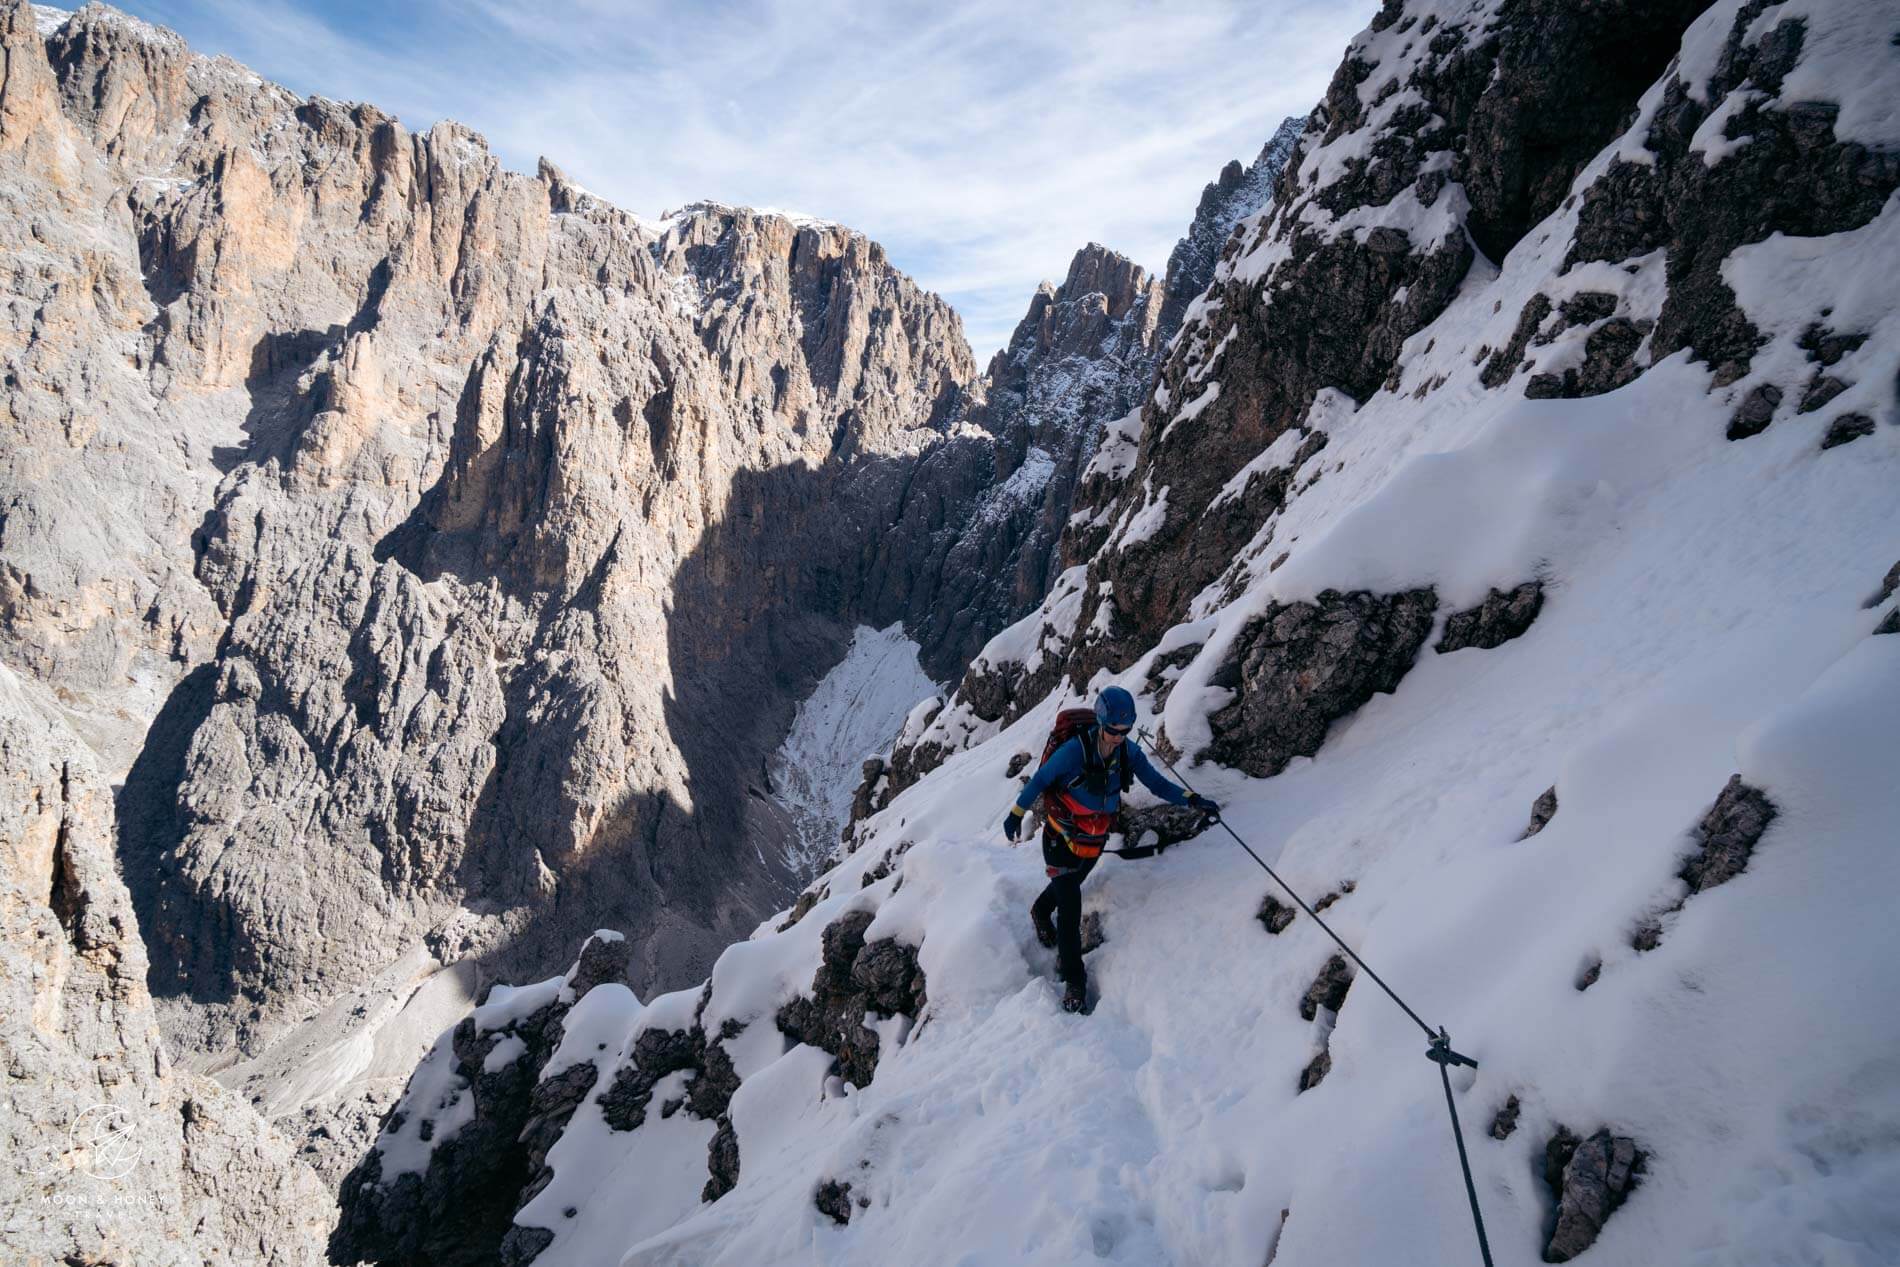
(886, 973)
(1544, 387)
(1567, 80)
(1590, 1178)
(1845, 428)
(1543, 809)
(1891, 624)
(1018, 762)
(911, 761)
(1588, 977)
(1827, 347)
(1316, 1069)
(1236, 194)
(1506, 360)
(1164, 669)
(1301, 666)
(656, 1053)
(1274, 370)
(834, 1199)
(802, 907)
(1328, 989)
(1608, 357)
(1275, 915)
(1502, 616)
(885, 865)
(522, 1245)
(722, 1162)
(1586, 307)
(711, 1089)
(1345, 887)
(1727, 835)
(1238, 518)
(1791, 177)
(1159, 826)
(989, 694)
(1609, 362)
(1092, 935)
(864, 801)
(460, 1209)
(855, 977)
(1888, 584)
(841, 941)
(1083, 353)
(1824, 388)
(1756, 411)
(1506, 1120)
(550, 1105)
(602, 959)
(1648, 934)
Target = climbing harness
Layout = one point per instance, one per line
(1439, 1051)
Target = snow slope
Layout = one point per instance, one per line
(852, 713)
(1692, 632)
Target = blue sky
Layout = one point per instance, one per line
(981, 143)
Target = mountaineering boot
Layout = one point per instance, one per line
(1075, 998)
(1045, 928)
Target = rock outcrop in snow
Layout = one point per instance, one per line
(1299, 667)
(468, 1167)
(467, 1144)
(1590, 1178)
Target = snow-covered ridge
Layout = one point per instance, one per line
(701, 206)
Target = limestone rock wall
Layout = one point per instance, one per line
(431, 550)
(115, 1150)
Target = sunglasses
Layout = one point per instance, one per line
(1118, 731)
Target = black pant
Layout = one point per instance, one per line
(1063, 897)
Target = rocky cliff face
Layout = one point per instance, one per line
(1083, 353)
(1084, 356)
(116, 1151)
(441, 514)
(1238, 192)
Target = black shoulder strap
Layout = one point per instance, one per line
(1128, 765)
(1091, 756)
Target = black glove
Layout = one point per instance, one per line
(1209, 810)
(1013, 823)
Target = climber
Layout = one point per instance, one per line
(1087, 764)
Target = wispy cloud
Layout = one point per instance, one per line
(981, 143)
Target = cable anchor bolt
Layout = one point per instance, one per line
(1440, 1052)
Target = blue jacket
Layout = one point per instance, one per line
(1063, 770)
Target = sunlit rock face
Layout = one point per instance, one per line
(432, 551)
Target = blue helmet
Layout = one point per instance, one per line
(1115, 707)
